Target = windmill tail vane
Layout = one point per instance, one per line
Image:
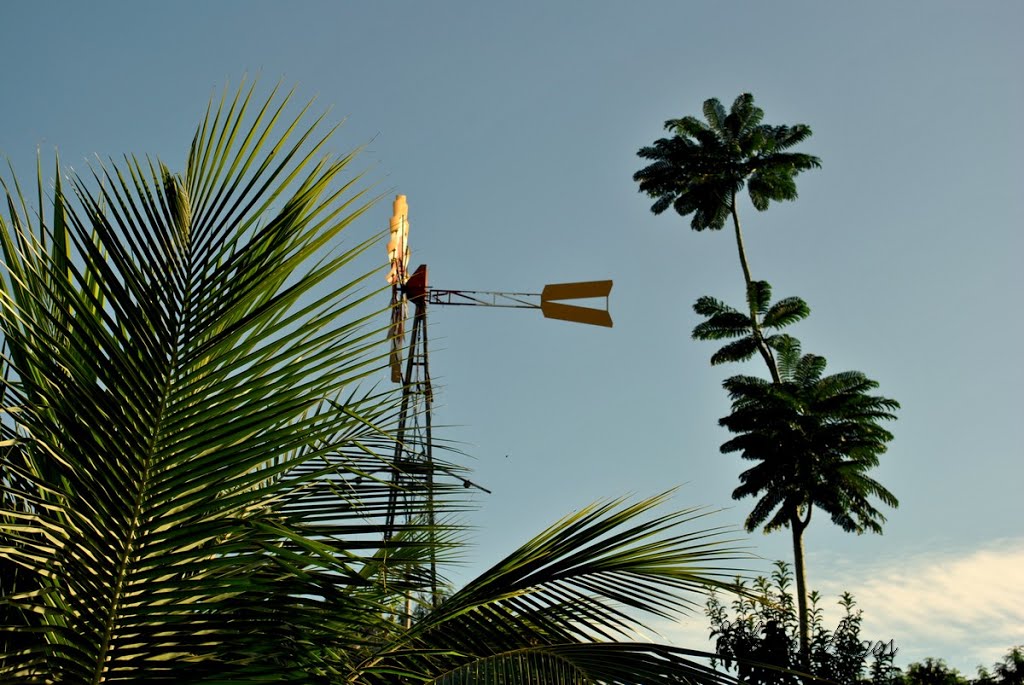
(550, 301)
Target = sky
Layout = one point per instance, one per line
(513, 130)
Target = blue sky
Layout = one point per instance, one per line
(513, 130)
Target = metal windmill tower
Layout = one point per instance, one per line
(413, 468)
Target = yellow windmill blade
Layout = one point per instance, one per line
(398, 257)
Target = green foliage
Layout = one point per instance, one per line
(560, 598)
(194, 489)
(723, 322)
(932, 672)
(1008, 671)
(757, 637)
(704, 164)
(814, 437)
(810, 453)
(180, 426)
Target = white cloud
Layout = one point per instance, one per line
(963, 606)
(966, 607)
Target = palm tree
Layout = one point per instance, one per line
(814, 438)
(191, 483)
(702, 168)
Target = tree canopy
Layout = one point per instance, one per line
(195, 488)
(813, 438)
(705, 164)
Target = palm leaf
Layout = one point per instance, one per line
(737, 351)
(785, 312)
(715, 115)
(175, 483)
(565, 588)
(586, 664)
(722, 320)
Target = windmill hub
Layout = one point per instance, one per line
(416, 288)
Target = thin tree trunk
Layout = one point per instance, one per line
(796, 525)
(762, 346)
(800, 571)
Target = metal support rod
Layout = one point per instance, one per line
(483, 298)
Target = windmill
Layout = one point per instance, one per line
(413, 467)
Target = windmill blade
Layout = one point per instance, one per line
(396, 333)
(398, 256)
(398, 241)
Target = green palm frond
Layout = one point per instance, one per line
(574, 588)
(808, 370)
(708, 306)
(785, 137)
(759, 293)
(724, 322)
(736, 351)
(618, 663)
(715, 115)
(185, 465)
(785, 312)
(744, 119)
(788, 357)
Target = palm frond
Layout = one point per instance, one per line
(176, 482)
(582, 580)
(737, 351)
(708, 306)
(715, 115)
(789, 356)
(744, 117)
(722, 321)
(785, 312)
(619, 663)
(759, 294)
